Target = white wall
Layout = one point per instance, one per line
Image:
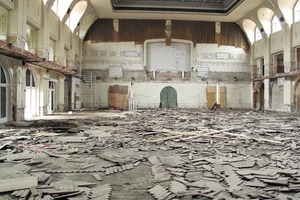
(296, 34)
(34, 13)
(259, 49)
(66, 36)
(219, 53)
(277, 95)
(53, 26)
(189, 94)
(103, 55)
(239, 95)
(277, 42)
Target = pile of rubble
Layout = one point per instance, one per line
(152, 154)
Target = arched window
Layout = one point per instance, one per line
(258, 35)
(60, 7)
(29, 79)
(31, 92)
(3, 95)
(276, 26)
(297, 12)
(76, 14)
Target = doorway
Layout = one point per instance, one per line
(168, 98)
(52, 97)
(262, 96)
(30, 95)
(259, 95)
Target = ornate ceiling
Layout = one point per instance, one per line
(223, 7)
(198, 10)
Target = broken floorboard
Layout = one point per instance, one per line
(209, 155)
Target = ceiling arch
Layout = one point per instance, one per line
(249, 28)
(287, 10)
(76, 14)
(265, 16)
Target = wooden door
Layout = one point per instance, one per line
(222, 97)
(118, 96)
(211, 96)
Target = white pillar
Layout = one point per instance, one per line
(267, 99)
(43, 88)
(287, 95)
(218, 93)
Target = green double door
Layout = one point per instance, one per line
(168, 98)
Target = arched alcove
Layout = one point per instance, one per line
(265, 16)
(168, 97)
(287, 9)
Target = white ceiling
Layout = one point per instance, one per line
(104, 10)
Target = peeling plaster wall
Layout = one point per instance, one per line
(76, 104)
(296, 34)
(189, 94)
(16, 88)
(17, 71)
(277, 95)
(225, 64)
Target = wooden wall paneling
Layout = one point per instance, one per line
(140, 30)
(155, 29)
(211, 96)
(222, 97)
(128, 30)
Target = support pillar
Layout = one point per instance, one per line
(43, 88)
(287, 95)
(267, 94)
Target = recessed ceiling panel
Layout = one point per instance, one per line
(222, 7)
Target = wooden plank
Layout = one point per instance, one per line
(97, 177)
(18, 183)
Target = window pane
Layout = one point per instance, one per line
(258, 35)
(297, 15)
(3, 102)
(54, 6)
(28, 77)
(33, 82)
(276, 24)
(3, 78)
(297, 12)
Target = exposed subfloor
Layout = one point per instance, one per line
(152, 154)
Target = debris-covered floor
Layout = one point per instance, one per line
(153, 154)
